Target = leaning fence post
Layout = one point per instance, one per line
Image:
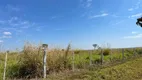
(5, 64)
(73, 61)
(123, 54)
(90, 54)
(44, 59)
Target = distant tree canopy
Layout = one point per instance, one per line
(139, 22)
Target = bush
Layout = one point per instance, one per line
(106, 52)
(76, 51)
(139, 50)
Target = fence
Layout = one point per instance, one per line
(64, 60)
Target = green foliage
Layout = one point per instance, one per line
(29, 62)
(76, 51)
(139, 50)
(130, 70)
(106, 52)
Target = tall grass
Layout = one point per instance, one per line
(30, 62)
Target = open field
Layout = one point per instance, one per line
(79, 64)
(130, 70)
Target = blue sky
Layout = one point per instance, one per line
(81, 22)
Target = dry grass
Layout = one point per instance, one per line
(30, 62)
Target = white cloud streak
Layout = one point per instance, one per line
(100, 15)
(136, 15)
(134, 36)
(130, 9)
(12, 8)
(134, 32)
(116, 22)
(5, 36)
(7, 33)
(86, 3)
(136, 6)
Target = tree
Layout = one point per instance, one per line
(139, 22)
(95, 45)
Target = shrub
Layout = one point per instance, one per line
(76, 51)
(139, 50)
(106, 52)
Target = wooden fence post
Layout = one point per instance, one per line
(123, 54)
(5, 64)
(90, 57)
(110, 54)
(44, 60)
(73, 61)
(102, 56)
(134, 52)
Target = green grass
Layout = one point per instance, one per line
(131, 70)
(30, 59)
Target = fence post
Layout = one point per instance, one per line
(44, 59)
(90, 54)
(5, 64)
(102, 56)
(123, 54)
(73, 61)
(110, 54)
(134, 51)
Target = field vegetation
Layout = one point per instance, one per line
(28, 63)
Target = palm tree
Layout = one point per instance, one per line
(139, 22)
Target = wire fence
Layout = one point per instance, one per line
(30, 64)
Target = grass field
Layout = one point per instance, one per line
(130, 70)
(28, 63)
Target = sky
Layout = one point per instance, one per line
(79, 22)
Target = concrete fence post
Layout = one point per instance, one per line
(44, 59)
(5, 64)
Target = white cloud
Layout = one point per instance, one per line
(136, 6)
(1, 41)
(12, 8)
(133, 37)
(86, 3)
(6, 36)
(134, 32)
(7, 33)
(16, 24)
(116, 22)
(136, 15)
(101, 15)
(130, 9)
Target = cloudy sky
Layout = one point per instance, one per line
(81, 22)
